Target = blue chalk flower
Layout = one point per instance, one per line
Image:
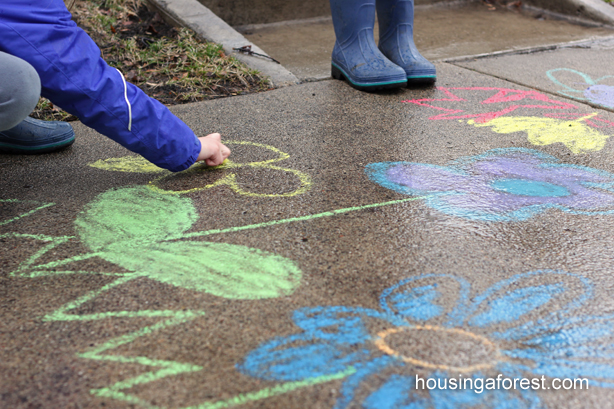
(431, 326)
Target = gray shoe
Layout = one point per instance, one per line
(32, 136)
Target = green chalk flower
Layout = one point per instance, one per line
(133, 228)
(132, 217)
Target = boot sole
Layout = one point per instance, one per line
(338, 74)
(421, 81)
(34, 150)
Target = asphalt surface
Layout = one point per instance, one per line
(355, 241)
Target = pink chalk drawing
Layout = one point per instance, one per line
(583, 87)
(457, 107)
(594, 122)
(505, 110)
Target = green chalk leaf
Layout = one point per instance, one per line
(133, 217)
(225, 270)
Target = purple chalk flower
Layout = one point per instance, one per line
(511, 184)
(600, 94)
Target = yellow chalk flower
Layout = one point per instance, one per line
(576, 134)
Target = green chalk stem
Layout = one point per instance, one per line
(68, 260)
(55, 242)
(61, 314)
(297, 219)
(169, 368)
(24, 214)
(45, 273)
(40, 237)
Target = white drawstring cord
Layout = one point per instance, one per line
(127, 102)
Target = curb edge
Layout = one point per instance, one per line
(193, 15)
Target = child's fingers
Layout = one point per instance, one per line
(215, 159)
(220, 155)
(213, 152)
(225, 152)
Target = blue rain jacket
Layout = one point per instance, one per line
(75, 78)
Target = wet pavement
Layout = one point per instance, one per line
(441, 32)
(576, 71)
(353, 243)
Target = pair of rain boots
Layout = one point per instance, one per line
(394, 62)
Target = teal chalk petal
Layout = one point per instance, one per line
(534, 188)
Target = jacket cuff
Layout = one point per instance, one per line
(191, 159)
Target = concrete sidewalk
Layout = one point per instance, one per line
(441, 33)
(353, 242)
(298, 49)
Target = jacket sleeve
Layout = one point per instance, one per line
(75, 78)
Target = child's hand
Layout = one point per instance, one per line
(212, 151)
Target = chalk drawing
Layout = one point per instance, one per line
(525, 326)
(581, 86)
(141, 220)
(121, 226)
(491, 99)
(594, 121)
(501, 185)
(160, 368)
(143, 229)
(39, 206)
(132, 228)
(128, 164)
(139, 165)
(575, 134)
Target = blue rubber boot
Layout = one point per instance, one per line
(32, 136)
(356, 56)
(396, 40)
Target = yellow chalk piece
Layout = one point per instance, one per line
(130, 164)
(576, 134)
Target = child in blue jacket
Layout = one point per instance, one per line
(40, 44)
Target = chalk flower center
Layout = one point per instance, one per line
(533, 188)
(434, 347)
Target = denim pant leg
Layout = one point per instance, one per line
(20, 88)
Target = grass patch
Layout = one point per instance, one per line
(169, 64)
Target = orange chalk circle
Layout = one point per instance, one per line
(382, 345)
